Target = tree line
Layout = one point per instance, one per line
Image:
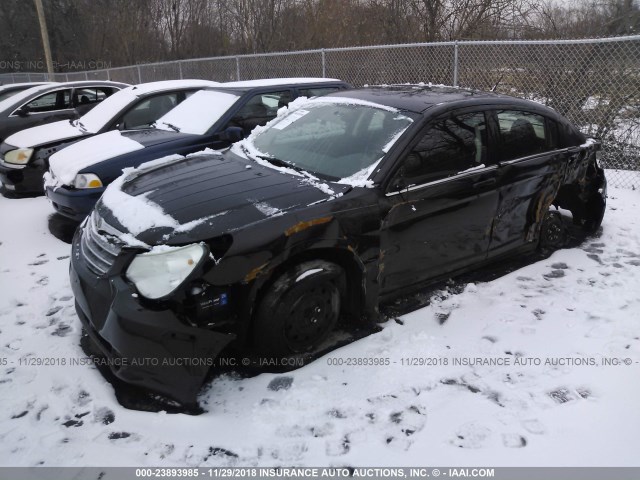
(86, 33)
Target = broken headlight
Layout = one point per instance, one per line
(156, 274)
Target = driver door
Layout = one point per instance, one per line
(444, 199)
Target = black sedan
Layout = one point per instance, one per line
(51, 102)
(349, 200)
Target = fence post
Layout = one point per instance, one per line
(28, 77)
(180, 68)
(238, 68)
(324, 65)
(455, 64)
(139, 74)
(86, 75)
(13, 78)
(66, 76)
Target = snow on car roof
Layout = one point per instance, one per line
(268, 82)
(151, 87)
(9, 86)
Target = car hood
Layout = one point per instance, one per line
(204, 196)
(65, 164)
(44, 134)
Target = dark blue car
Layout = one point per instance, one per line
(211, 118)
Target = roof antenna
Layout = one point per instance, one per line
(497, 83)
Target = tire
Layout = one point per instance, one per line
(299, 310)
(553, 233)
(595, 213)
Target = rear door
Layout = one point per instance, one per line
(443, 200)
(529, 174)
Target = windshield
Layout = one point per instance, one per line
(21, 95)
(96, 118)
(333, 140)
(10, 93)
(198, 113)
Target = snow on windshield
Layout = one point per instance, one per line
(96, 118)
(198, 113)
(336, 138)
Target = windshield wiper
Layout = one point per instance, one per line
(171, 126)
(280, 163)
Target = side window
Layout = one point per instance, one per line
(260, 109)
(87, 96)
(58, 100)
(522, 134)
(449, 147)
(316, 92)
(148, 111)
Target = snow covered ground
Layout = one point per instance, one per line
(581, 303)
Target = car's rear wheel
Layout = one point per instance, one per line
(553, 233)
(299, 310)
(596, 205)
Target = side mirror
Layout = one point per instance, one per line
(398, 184)
(232, 134)
(23, 111)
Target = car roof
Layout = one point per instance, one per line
(167, 85)
(88, 83)
(270, 82)
(9, 86)
(418, 98)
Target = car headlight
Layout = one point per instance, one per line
(87, 180)
(19, 156)
(156, 275)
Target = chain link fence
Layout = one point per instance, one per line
(593, 82)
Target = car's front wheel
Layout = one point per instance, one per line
(299, 310)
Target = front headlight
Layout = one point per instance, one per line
(87, 180)
(156, 275)
(19, 156)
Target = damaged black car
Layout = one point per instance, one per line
(337, 205)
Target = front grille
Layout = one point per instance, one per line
(97, 250)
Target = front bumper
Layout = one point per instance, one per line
(23, 179)
(74, 204)
(152, 349)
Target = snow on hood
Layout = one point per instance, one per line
(138, 213)
(65, 164)
(42, 134)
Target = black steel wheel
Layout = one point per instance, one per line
(553, 233)
(299, 310)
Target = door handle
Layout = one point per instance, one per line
(485, 183)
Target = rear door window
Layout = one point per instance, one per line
(316, 92)
(522, 134)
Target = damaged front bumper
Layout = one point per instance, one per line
(148, 348)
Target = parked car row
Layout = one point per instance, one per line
(335, 204)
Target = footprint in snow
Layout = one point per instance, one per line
(39, 262)
(513, 440)
(554, 274)
(471, 435)
(533, 426)
(280, 383)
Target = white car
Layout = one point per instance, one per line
(24, 156)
